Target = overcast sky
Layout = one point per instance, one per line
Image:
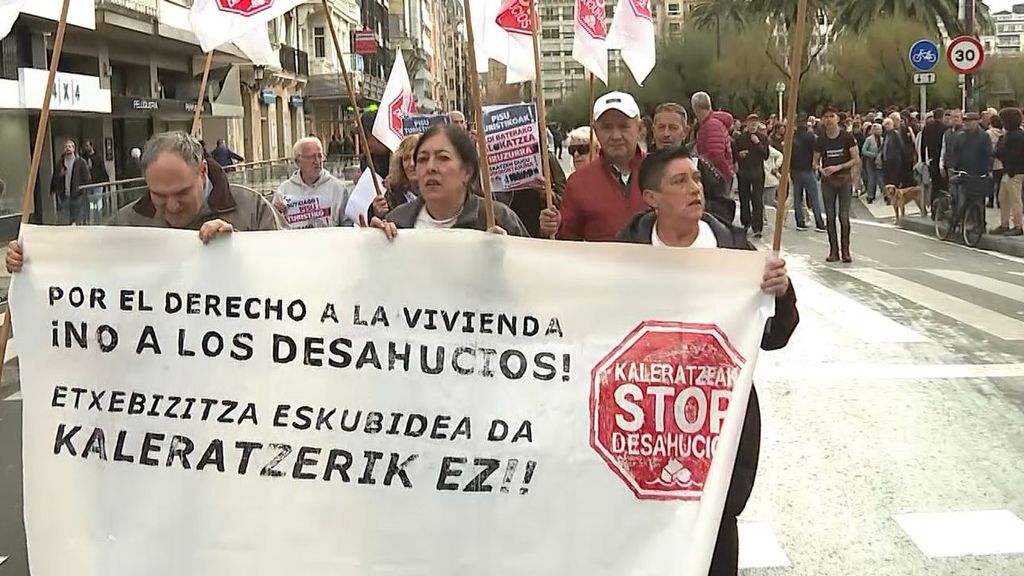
(999, 5)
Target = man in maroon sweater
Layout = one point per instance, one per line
(601, 197)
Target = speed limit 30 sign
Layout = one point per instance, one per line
(965, 54)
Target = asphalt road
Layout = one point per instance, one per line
(893, 439)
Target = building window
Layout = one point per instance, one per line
(319, 42)
(550, 34)
(673, 9)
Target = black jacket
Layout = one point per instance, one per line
(528, 204)
(1011, 152)
(716, 191)
(97, 168)
(752, 166)
(80, 176)
(776, 335)
(472, 216)
(931, 140)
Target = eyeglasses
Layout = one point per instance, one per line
(579, 149)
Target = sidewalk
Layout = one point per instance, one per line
(913, 221)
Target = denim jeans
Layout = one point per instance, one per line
(872, 180)
(837, 203)
(804, 183)
(73, 210)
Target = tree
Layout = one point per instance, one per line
(714, 14)
(783, 13)
(859, 14)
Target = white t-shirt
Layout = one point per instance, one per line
(424, 221)
(705, 237)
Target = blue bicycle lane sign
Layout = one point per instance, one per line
(924, 55)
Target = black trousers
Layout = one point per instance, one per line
(837, 203)
(751, 190)
(726, 559)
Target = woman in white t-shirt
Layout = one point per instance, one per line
(447, 173)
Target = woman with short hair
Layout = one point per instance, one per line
(447, 171)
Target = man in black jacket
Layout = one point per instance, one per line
(70, 173)
(931, 150)
(751, 150)
(670, 131)
(671, 185)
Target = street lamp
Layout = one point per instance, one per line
(781, 89)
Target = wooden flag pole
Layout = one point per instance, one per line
(202, 94)
(795, 64)
(593, 98)
(542, 112)
(352, 96)
(478, 112)
(37, 156)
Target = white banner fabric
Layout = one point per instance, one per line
(449, 403)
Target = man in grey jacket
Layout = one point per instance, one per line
(312, 197)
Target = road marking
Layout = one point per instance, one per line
(849, 315)
(934, 256)
(973, 315)
(985, 283)
(866, 371)
(991, 253)
(16, 397)
(951, 534)
(3, 559)
(759, 548)
(889, 242)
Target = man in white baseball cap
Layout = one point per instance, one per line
(602, 196)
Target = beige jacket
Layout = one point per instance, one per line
(239, 206)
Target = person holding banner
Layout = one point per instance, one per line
(672, 188)
(447, 168)
(601, 197)
(186, 190)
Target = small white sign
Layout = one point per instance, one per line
(924, 78)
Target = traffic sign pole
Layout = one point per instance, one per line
(924, 55)
(924, 97)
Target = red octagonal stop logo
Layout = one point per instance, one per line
(657, 405)
(244, 7)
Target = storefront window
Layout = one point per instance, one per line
(15, 158)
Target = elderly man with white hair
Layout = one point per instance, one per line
(312, 197)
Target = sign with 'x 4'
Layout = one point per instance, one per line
(66, 91)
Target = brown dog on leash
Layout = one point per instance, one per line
(900, 197)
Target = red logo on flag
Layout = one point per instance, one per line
(657, 405)
(590, 14)
(642, 8)
(397, 110)
(516, 18)
(244, 7)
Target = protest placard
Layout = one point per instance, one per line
(513, 147)
(251, 407)
(307, 211)
(420, 123)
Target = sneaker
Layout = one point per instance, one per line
(1014, 232)
(801, 228)
(757, 235)
(999, 230)
(820, 229)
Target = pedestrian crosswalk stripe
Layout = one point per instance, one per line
(985, 283)
(853, 317)
(843, 373)
(759, 548)
(16, 397)
(950, 534)
(983, 319)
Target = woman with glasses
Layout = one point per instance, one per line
(579, 147)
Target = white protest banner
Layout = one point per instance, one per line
(431, 405)
(420, 123)
(513, 147)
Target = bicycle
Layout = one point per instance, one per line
(924, 56)
(961, 209)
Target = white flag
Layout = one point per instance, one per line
(217, 22)
(255, 44)
(495, 42)
(632, 32)
(513, 41)
(9, 10)
(396, 103)
(590, 34)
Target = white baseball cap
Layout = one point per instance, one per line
(616, 101)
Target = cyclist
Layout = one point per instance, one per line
(972, 156)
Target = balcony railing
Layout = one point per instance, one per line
(147, 8)
(294, 61)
